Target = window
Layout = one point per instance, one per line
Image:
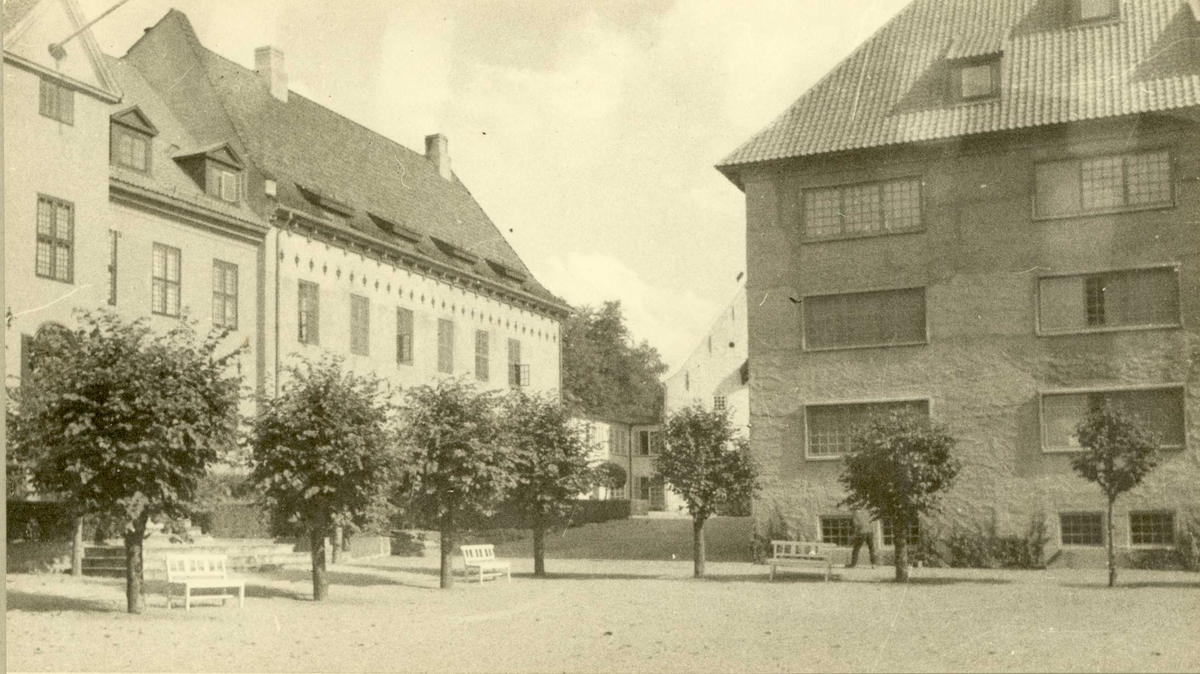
(1161, 409)
(838, 530)
(404, 336)
(360, 325)
(56, 101)
(481, 355)
(831, 427)
(644, 443)
(225, 294)
(882, 318)
(518, 374)
(719, 404)
(130, 148)
(618, 440)
(165, 288)
(1081, 528)
(644, 487)
(113, 235)
(1094, 10)
(882, 207)
(55, 239)
(889, 536)
(445, 346)
(223, 183)
(1135, 298)
(1152, 528)
(309, 304)
(1103, 184)
(977, 80)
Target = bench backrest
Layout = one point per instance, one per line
(478, 553)
(185, 567)
(785, 549)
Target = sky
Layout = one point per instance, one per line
(586, 129)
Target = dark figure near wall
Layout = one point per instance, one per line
(864, 532)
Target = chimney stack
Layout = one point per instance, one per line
(437, 150)
(269, 63)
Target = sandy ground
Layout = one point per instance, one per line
(615, 616)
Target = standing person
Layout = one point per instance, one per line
(864, 532)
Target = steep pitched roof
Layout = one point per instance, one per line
(15, 10)
(887, 91)
(316, 156)
(30, 26)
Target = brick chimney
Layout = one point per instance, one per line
(437, 150)
(269, 63)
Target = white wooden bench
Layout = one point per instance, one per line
(482, 558)
(801, 554)
(191, 572)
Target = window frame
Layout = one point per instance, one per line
(1043, 394)
(1152, 546)
(842, 188)
(114, 237)
(848, 520)
(808, 456)
(118, 131)
(308, 331)
(221, 269)
(360, 335)
(166, 282)
(482, 355)
(215, 173)
(1076, 14)
(1079, 158)
(56, 101)
(404, 338)
(445, 364)
(913, 540)
(53, 239)
(1087, 275)
(1090, 513)
(804, 345)
(720, 403)
(956, 78)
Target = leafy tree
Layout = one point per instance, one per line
(456, 467)
(550, 463)
(708, 465)
(611, 476)
(604, 371)
(1118, 453)
(323, 454)
(896, 469)
(123, 422)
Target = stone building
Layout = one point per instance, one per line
(986, 213)
(631, 444)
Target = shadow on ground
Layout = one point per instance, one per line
(1102, 584)
(46, 603)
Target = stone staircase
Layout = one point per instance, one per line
(249, 554)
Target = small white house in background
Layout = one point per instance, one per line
(631, 444)
(716, 374)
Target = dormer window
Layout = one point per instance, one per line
(976, 79)
(1088, 11)
(217, 169)
(130, 135)
(224, 184)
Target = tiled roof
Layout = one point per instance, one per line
(15, 10)
(889, 90)
(311, 150)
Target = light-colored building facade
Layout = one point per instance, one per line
(987, 214)
(632, 446)
(715, 374)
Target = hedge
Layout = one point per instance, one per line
(38, 521)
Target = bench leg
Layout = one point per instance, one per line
(169, 596)
(772, 578)
(242, 596)
(187, 599)
(481, 575)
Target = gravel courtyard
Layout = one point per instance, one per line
(615, 616)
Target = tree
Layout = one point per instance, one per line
(455, 465)
(1118, 453)
(123, 422)
(550, 463)
(611, 476)
(896, 469)
(708, 465)
(604, 371)
(323, 454)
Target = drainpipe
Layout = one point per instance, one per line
(275, 256)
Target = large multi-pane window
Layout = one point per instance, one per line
(404, 336)
(1135, 298)
(1081, 528)
(618, 440)
(1103, 184)
(360, 325)
(225, 294)
(1160, 409)
(445, 346)
(482, 355)
(837, 530)
(309, 310)
(881, 318)
(130, 148)
(56, 101)
(649, 443)
(518, 372)
(55, 239)
(831, 427)
(889, 533)
(165, 286)
(1152, 528)
(113, 236)
(719, 404)
(893, 206)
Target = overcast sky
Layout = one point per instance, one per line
(587, 130)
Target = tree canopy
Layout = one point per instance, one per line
(604, 372)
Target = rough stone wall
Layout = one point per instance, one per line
(979, 257)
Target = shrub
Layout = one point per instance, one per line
(980, 546)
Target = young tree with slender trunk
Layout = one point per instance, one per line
(456, 467)
(550, 463)
(897, 467)
(1118, 454)
(709, 466)
(612, 476)
(323, 455)
(123, 422)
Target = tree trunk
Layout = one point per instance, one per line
(447, 552)
(135, 598)
(336, 555)
(698, 546)
(900, 542)
(316, 541)
(1112, 551)
(77, 549)
(539, 548)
